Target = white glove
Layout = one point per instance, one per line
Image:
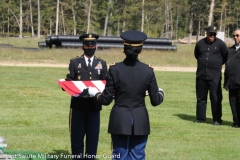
(161, 91)
(92, 91)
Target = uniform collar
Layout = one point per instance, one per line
(86, 58)
(237, 46)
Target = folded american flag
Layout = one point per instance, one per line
(76, 88)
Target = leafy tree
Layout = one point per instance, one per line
(159, 18)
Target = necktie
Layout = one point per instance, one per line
(89, 64)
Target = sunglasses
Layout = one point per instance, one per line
(236, 35)
(212, 34)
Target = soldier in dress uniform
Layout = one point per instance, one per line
(84, 117)
(128, 81)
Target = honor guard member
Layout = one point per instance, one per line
(211, 53)
(231, 80)
(84, 117)
(128, 82)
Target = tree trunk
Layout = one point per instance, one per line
(237, 19)
(142, 25)
(177, 24)
(20, 21)
(27, 23)
(124, 24)
(56, 31)
(39, 20)
(63, 23)
(220, 27)
(190, 25)
(14, 17)
(210, 18)
(225, 17)
(50, 32)
(105, 25)
(166, 18)
(89, 16)
(8, 23)
(74, 21)
(171, 25)
(118, 28)
(2, 24)
(106, 18)
(199, 27)
(31, 19)
(109, 30)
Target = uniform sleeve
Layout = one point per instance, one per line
(156, 98)
(196, 51)
(106, 97)
(70, 75)
(104, 72)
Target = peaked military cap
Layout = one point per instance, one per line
(89, 39)
(133, 38)
(211, 29)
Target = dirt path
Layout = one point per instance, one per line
(157, 68)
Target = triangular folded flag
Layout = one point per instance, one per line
(76, 88)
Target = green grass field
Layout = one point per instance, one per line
(34, 116)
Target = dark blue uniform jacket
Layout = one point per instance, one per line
(78, 71)
(128, 81)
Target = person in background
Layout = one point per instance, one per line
(128, 82)
(231, 80)
(84, 117)
(211, 53)
(233, 49)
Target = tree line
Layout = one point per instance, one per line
(157, 18)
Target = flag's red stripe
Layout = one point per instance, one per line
(69, 87)
(104, 81)
(65, 88)
(72, 87)
(88, 84)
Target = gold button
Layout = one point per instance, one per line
(90, 77)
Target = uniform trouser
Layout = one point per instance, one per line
(129, 147)
(84, 124)
(234, 100)
(202, 88)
